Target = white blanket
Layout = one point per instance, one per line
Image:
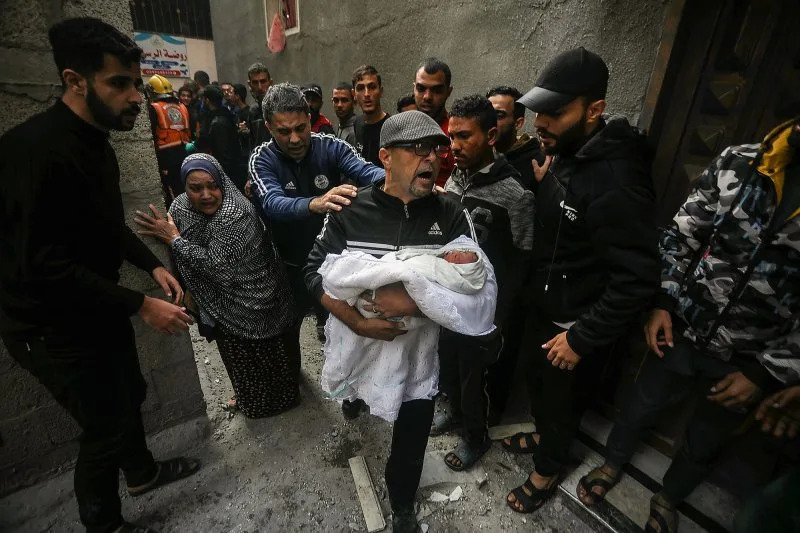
(385, 374)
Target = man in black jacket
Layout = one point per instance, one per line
(220, 137)
(595, 257)
(502, 212)
(63, 316)
(396, 212)
(259, 79)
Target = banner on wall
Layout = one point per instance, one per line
(163, 54)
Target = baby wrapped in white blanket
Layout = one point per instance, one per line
(460, 296)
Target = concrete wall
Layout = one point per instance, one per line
(36, 435)
(485, 43)
(201, 57)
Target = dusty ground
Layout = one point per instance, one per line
(290, 473)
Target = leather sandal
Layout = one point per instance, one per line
(664, 514)
(515, 441)
(597, 478)
(531, 502)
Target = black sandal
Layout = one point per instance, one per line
(468, 455)
(536, 499)
(665, 515)
(514, 445)
(168, 471)
(597, 478)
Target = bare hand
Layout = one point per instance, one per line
(378, 328)
(156, 225)
(734, 390)
(659, 320)
(248, 188)
(168, 283)
(333, 200)
(780, 413)
(390, 300)
(438, 189)
(164, 317)
(560, 353)
(539, 172)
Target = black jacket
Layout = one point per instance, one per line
(377, 223)
(63, 235)
(221, 140)
(595, 247)
(502, 213)
(259, 133)
(525, 150)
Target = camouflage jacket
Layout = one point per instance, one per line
(729, 271)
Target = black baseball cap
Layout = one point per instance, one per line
(570, 74)
(312, 88)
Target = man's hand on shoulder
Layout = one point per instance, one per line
(333, 200)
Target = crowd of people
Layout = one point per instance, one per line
(439, 247)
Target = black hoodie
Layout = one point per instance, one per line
(595, 254)
(502, 213)
(525, 150)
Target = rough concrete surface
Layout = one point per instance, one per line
(505, 42)
(290, 473)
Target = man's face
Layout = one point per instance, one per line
(558, 130)
(342, 103)
(113, 94)
(470, 145)
(227, 91)
(507, 126)
(314, 101)
(412, 175)
(431, 92)
(368, 93)
(185, 97)
(259, 83)
(292, 133)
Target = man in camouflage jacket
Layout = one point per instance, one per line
(728, 314)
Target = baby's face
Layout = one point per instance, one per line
(457, 257)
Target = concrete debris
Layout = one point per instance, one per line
(424, 528)
(438, 497)
(456, 494)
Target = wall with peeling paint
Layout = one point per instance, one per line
(36, 434)
(505, 42)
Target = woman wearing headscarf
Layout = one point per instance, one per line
(227, 260)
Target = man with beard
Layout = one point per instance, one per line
(398, 211)
(342, 100)
(259, 80)
(520, 151)
(319, 122)
(431, 90)
(595, 258)
(297, 178)
(502, 212)
(186, 94)
(368, 89)
(724, 325)
(63, 316)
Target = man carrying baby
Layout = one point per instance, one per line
(397, 212)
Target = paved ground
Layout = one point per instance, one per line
(290, 473)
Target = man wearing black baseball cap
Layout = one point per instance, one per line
(393, 213)
(595, 258)
(319, 122)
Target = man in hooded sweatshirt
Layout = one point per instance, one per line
(595, 258)
(502, 213)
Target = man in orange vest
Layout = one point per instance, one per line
(169, 120)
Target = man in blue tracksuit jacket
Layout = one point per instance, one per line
(297, 178)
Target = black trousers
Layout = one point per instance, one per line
(95, 376)
(558, 397)
(500, 375)
(303, 301)
(409, 439)
(169, 165)
(463, 362)
(664, 382)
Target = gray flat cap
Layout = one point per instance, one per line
(409, 127)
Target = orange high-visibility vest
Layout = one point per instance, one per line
(173, 124)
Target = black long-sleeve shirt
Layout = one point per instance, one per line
(63, 235)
